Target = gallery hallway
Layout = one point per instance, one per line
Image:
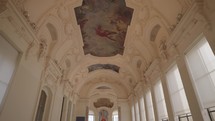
(107, 60)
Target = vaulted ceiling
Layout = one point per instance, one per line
(103, 46)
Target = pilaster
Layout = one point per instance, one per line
(167, 98)
(147, 113)
(154, 103)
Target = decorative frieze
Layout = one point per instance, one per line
(187, 22)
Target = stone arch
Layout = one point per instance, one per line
(100, 78)
(115, 61)
(53, 28)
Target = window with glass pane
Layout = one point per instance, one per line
(63, 111)
(142, 109)
(41, 107)
(8, 58)
(201, 63)
(133, 113)
(176, 90)
(91, 116)
(161, 105)
(137, 111)
(150, 106)
(115, 116)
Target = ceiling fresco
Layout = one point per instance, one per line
(103, 66)
(103, 25)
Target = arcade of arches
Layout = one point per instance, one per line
(107, 60)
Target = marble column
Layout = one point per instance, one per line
(147, 115)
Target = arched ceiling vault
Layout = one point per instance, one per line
(98, 79)
(57, 27)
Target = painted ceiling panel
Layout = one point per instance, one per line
(104, 66)
(103, 26)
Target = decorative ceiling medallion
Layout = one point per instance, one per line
(104, 66)
(103, 26)
(103, 102)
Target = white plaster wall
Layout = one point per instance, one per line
(81, 108)
(23, 91)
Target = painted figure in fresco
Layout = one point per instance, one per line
(104, 33)
(103, 25)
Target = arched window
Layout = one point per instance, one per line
(41, 106)
(63, 109)
(44, 105)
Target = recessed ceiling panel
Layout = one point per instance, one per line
(103, 26)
